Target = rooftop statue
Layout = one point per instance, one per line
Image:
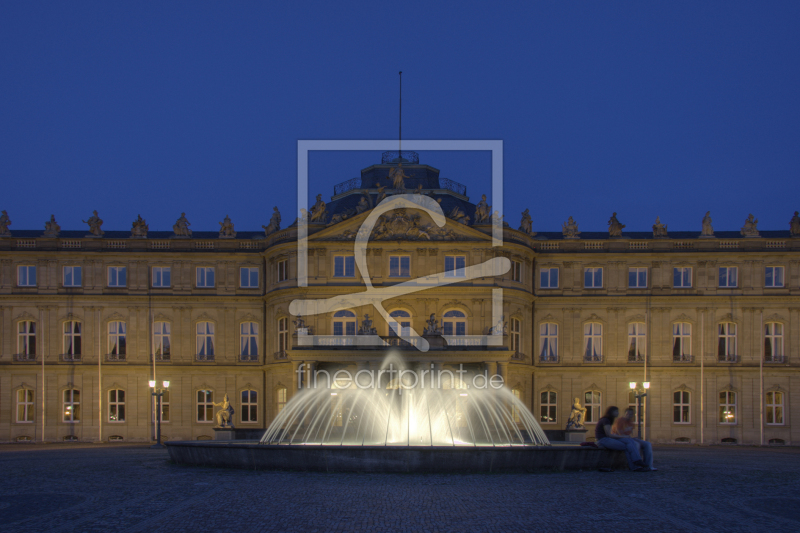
(95, 222)
(708, 230)
(432, 327)
(51, 228)
(139, 228)
(576, 416)
(226, 229)
(614, 227)
(750, 228)
(794, 225)
(381, 193)
(274, 223)
(181, 227)
(570, 229)
(418, 190)
(224, 416)
(365, 204)
(526, 226)
(659, 229)
(458, 215)
(397, 175)
(482, 211)
(5, 222)
(319, 212)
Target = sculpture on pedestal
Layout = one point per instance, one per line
(482, 211)
(51, 228)
(500, 328)
(794, 225)
(432, 327)
(708, 229)
(366, 326)
(614, 226)
(224, 416)
(526, 226)
(570, 229)
(577, 415)
(659, 229)
(226, 229)
(181, 227)
(5, 222)
(458, 215)
(750, 228)
(139, 228)
(95, 222)
(364, 204)
(319, 212)
(274, 223)
(397, 175)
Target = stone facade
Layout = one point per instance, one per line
(235, 288)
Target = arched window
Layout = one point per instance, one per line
(71, 411)
(727, 407)
(727, 342)
(591, 401)
(775, 408)
(248, 341)
(116, 405)
(205, 341)
(26, 338)
(344, 322)
(680, 407)
(72, 339)
(400, 325)
(548, 337)
(116, 338)
(249, 406)
(773, 341)
(681, 341)
(593, 341)
(454, 322)
(516, 335)
(25, 405)
(636, 341)
(161, 341)
(281, 398)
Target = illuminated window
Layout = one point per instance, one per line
(116, 405)
(727, 407)
(281, 398)
(25, 405)
(548, 407)
(71, 411)
(775, 408)
(514, 409)
(591, 401)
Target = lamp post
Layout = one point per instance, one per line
(158, 393)
(640, 393)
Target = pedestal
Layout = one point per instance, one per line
(224, 433)
(575, 435)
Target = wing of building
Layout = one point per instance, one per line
(710, 319)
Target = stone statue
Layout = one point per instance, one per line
(300, 326)
(482, 211)
(397, 176)
(708, 230)
(576, 416)
(95, 222)
(51, 228)
(381, 193)
(458, 215)
(139, 228)
(794, 225)
(432, 327)
(501, 328)
(5, 222)
(365, 204)
(418, 190)
(659, 229)
(274, 222)
(224, 416)
(303, 216)
(526, 226)
(226, 229)
(750, 228)
(366, 326)
(570, 229)
(614, 227)
(181, 227)
(319, 212)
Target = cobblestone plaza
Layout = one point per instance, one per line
(132, 488)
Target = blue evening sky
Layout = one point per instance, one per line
(644, 108)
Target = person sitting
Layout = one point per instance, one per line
(624, 426)
(607, 439)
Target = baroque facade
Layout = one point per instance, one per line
(710, 319)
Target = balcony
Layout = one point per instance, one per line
(116, 358)
(280, 355)
(518, 356)
(204, 358)
(775, 359)
(70, 358)
(635, 358)
(549, 359)
(25, 357)
(161, 358)
(727, 358)
(682, 358)
(382, 342)
(592, 358)
(248, 358)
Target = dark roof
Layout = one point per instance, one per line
(641, 235)
(79, 234)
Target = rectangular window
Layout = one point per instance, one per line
(72, 338)
(116, 405)
(726, 349)
(593, 342)
(164, 406)
(26, 338)
(681, 341)
(548, 278)
(593, 278)
(205, 406)
(72, 276)
(548, 333)
(637, 341)
(282, 269)
(727, 277)
(516, 333)
(71, 411)
(116, 338)
(680, 407)
(637, 277)
(454, 266)
(591, 400)
(248, 277)
(548, 407)
(516, 271)
(283, 334)
(205, 277)
(161, 340)
(161, 277)
(281, 398)
(117, 276)
(249, 406)
(399, 266)
(25, 408)
(727, 407)
(344, 266)
(205, 340)
(26, 276)
(249, 341)
(773, 277)
(775, 408)
(773, 342)
(682, 277)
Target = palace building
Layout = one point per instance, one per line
(710, 319)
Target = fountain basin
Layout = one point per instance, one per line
(393, 459)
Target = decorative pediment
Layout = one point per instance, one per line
(113, 386)
(728, 317)
(24, 316)
(278, 386)
(683, 388)
(774, 317)
(205, 317)
(593, 386)
(549, 387)
(594, 318)
(161, 317)
(204, 386)
(548, 318)
(249, 317)
(248, 386)
(637, 318)
(683, 317)
(25, 385)
(728, 388)
(71, 316)
(115, 317)
(774, 388)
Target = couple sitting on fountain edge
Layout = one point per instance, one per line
(616, 433)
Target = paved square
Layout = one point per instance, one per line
(101, 488)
